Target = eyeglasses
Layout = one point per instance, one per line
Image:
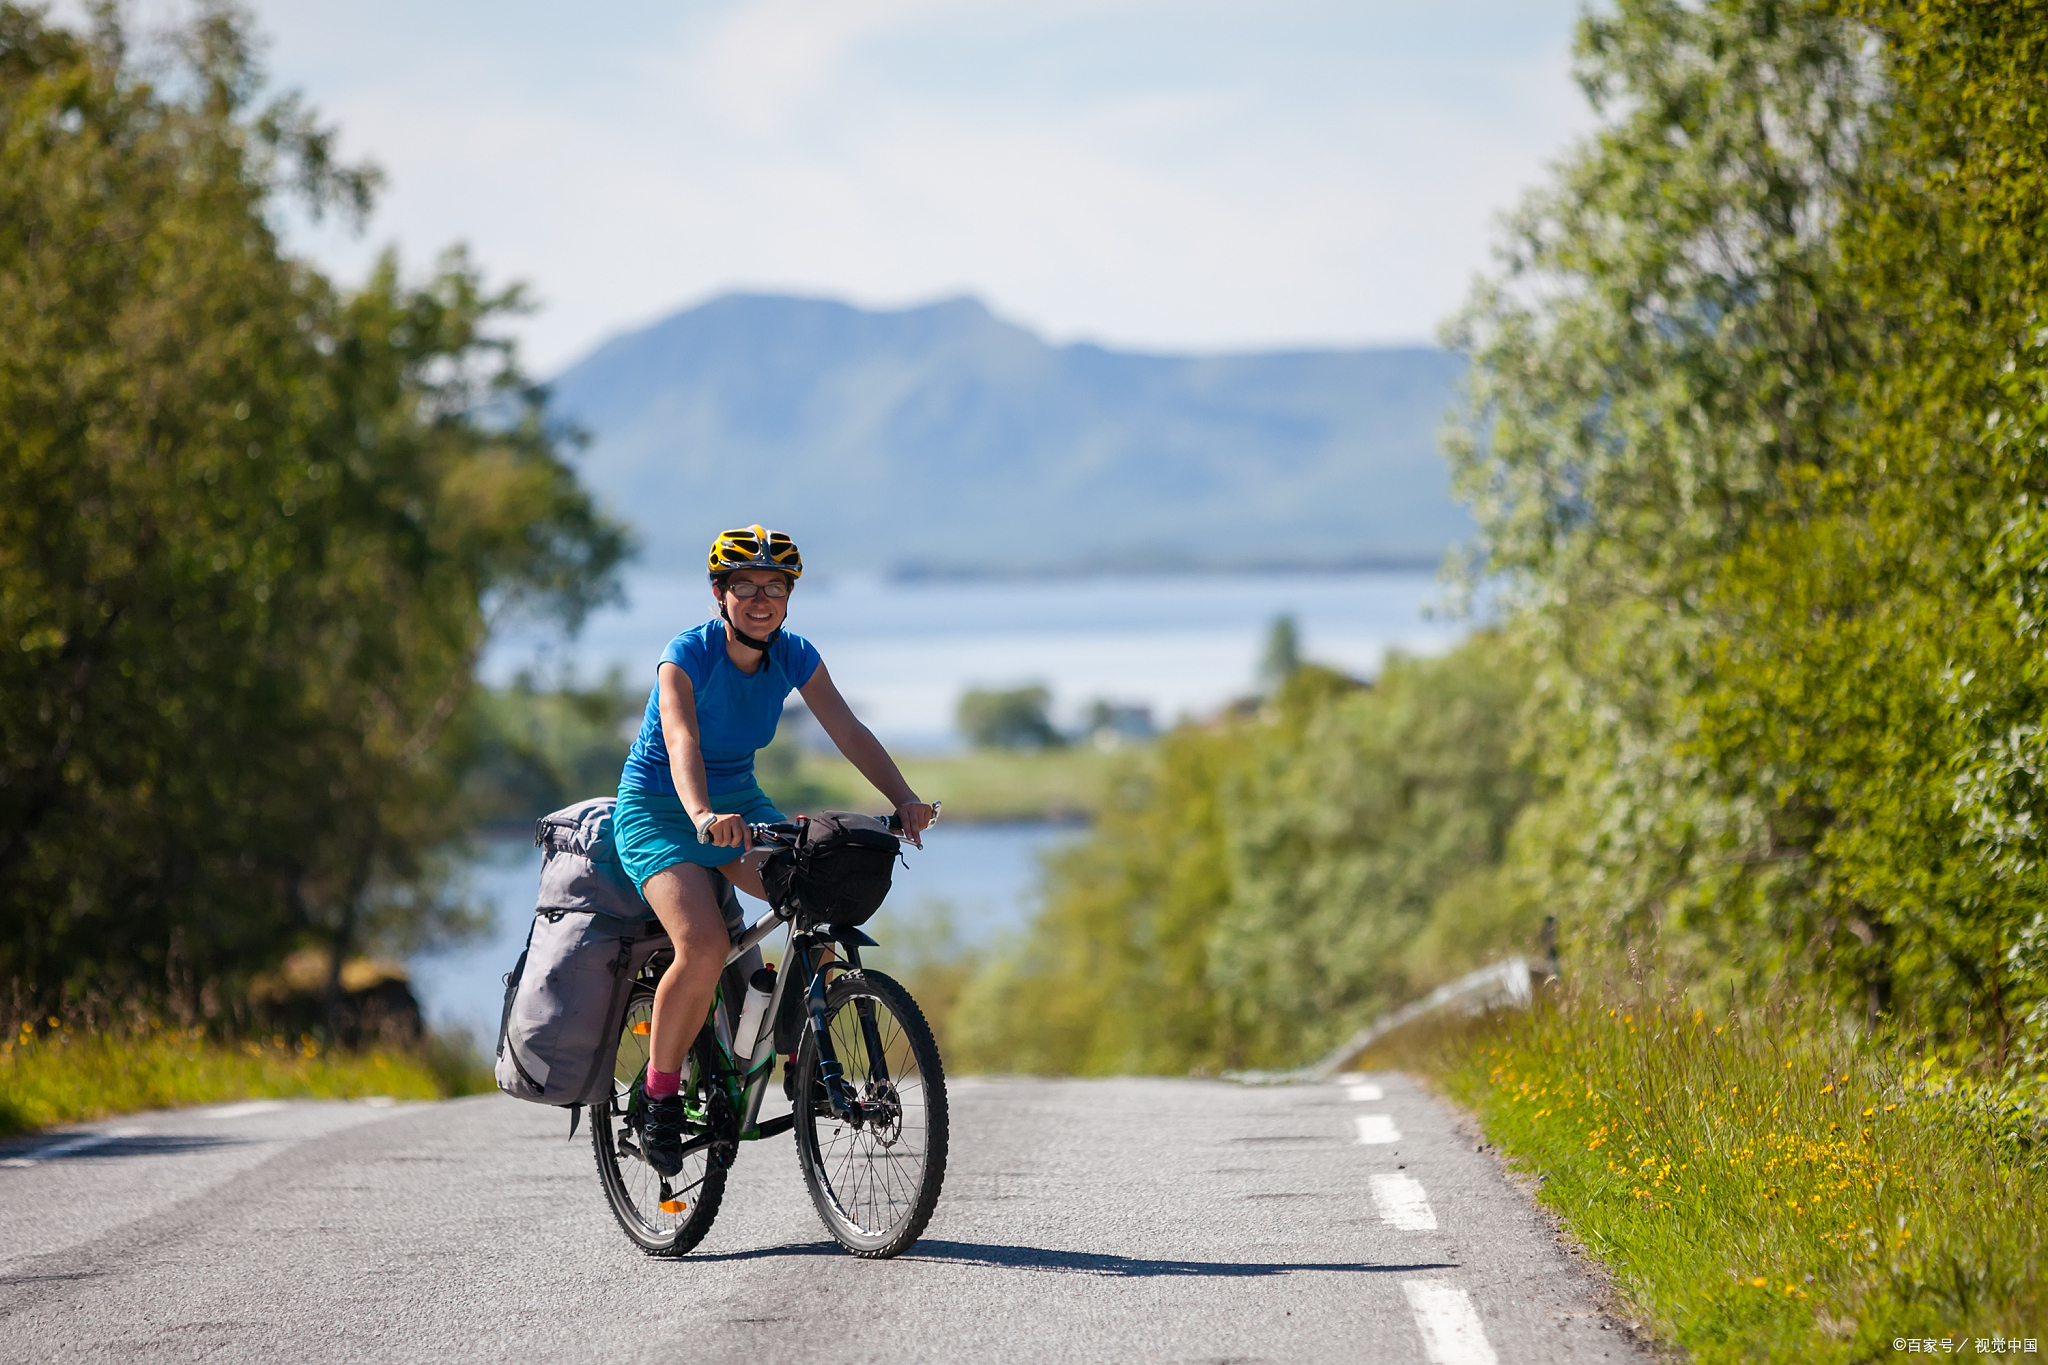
(758, 589)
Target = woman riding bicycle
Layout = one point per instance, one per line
(688, 792)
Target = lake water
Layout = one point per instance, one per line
(978, 882)
(902, 652)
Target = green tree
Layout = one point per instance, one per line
(1655, 370)
(1112, 975)
(1955, 254)
(1755, 436)
(1283, 653)
(1881, 657)
(1013, 719)
(254, 530)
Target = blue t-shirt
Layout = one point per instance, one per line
(736, 712)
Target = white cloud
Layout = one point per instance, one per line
(769, 56)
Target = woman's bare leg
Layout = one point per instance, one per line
(746, 875)
(684, 898)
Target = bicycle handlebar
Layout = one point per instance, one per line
(783, 834)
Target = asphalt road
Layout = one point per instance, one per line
(1119, 1220)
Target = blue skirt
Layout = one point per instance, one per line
(652, 831)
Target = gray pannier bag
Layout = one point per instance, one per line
(592, 934)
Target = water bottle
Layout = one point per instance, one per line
(753, 1015)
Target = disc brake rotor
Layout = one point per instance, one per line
(884, 1112)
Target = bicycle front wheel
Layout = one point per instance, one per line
(875, 1182)
(663, 1217)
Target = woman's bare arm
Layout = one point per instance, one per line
(678, 703)
(864, 751)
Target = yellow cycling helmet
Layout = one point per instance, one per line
(755, 547)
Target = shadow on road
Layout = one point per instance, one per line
(141, 1144)
(1136, 1267)
(1085, 1262)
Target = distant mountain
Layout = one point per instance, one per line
(942, 439)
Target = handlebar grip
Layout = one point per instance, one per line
(895, 822)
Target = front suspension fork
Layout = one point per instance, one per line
(837, 1092)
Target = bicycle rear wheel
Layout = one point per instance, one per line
(876, 1183)
(662, 1217)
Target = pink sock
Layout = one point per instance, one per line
(662, 1084)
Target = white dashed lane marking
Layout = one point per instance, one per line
(1361, 1091)
(1403, 1204)
(1449, 1323)
(245, 1110)
(1377, 1128)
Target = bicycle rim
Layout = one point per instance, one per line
(663, 1217)
(875, 1185)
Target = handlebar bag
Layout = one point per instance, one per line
(838, 873)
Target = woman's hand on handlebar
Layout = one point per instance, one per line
(724, 831)
(915, 817)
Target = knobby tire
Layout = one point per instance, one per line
(874, 1187)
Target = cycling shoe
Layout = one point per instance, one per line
(661, 1135)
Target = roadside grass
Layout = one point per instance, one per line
(56, 1074)
(1765, 1185)
(989, 785)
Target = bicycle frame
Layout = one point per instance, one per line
(796, 962)
(796, 965)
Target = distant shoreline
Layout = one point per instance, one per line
(912, 574)
(1361, 564)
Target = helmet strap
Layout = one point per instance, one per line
(749, 641)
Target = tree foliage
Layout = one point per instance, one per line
(1755, 436)
(1014, 719)
(254, 528)
(1891, 629)
(1265, 884)
(1650, 368)
(1282, 655)
(523, 750)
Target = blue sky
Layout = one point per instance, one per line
(1161, 174)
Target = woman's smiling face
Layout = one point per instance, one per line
(760, 615)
